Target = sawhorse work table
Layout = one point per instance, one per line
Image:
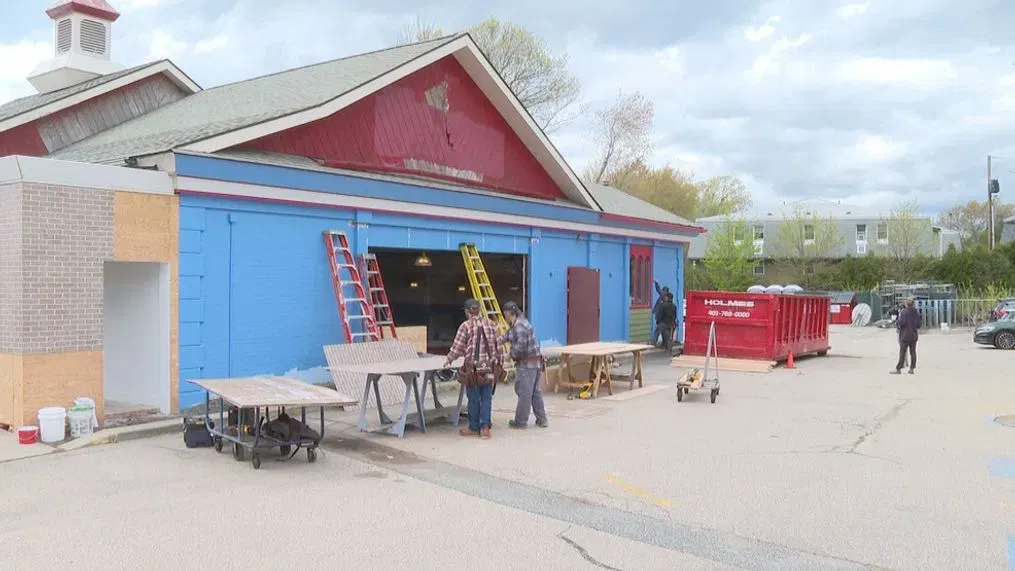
(599, 369)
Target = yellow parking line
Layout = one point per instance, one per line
(661, 502)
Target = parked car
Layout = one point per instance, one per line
(1005, 306)
(999, 333)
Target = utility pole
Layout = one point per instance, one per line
(990, 209)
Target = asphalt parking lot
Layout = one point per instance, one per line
(832, 465)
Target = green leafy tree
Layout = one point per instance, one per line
(729, 256)
(971, 221)
(539, 78)
(668, 188)
(721, 195)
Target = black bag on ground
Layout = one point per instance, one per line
(288, 429)
(195, 433)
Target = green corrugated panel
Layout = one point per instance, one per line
(640, 325)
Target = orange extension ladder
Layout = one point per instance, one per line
(341, 261)
(378, 295)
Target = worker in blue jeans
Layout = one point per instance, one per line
(476, 341)
(528, 368)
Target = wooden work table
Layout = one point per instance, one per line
(599, 368)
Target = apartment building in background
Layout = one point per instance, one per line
(861, 232)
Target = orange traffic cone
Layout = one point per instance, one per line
(789, 361)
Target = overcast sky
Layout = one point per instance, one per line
(870, 102)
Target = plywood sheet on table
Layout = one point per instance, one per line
(273, 391)
(724, 364)
(414, 334)
(599, 348)
(392, 388)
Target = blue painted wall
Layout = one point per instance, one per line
(255, 287)
(256, 295)
(668, 270)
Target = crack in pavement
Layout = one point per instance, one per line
(584, 552)
(879, 422)
(710, 544)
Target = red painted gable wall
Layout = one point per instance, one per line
(407, 128)
(22, 140)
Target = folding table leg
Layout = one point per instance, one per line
(363, 403)
(399, 428)
(384, 418)
(636, 370)
(457, 416)
(419, 402)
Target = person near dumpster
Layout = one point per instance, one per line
(661, 293)
(666, 319)
(528, 368)
(908, 325)
(476, 341)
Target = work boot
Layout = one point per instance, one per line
(468, 432)
(542, 423)
(911, 371)
(895, 372)
(515, 424)
(484, 433)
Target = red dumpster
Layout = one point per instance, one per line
(763, 326)
(841, 306)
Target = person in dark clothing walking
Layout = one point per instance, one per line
(662, 292)
(528, 367)
(666, 318)
(908, 325)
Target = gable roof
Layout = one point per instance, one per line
(616, 201)
(230, 115)
(32, 107)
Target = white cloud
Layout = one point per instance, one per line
(164, 46)
(211, 44)
(125, 6)
(926, 73)
(850, 11)
(19, 59)
(770, 60)
(756, 34)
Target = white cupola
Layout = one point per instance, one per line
(81, 35)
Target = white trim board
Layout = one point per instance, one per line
(345, 201)
(85, 175)
(476, 65)
(166, 67)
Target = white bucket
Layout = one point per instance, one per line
(79, 417)
(945, 326)
(52, 424)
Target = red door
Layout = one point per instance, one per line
(582, 305)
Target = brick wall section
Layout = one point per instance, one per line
(10, 267)
(68, 234)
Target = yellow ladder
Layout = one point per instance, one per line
(482, 289)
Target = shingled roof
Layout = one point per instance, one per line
(234, 106)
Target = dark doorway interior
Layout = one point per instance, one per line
(433, 296)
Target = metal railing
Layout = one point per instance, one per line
(954, 312)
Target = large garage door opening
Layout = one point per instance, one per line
(432, 295)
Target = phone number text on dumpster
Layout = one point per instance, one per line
(729, 313)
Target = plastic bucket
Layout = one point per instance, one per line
(52, 424)
(28, 434)
(79, 417)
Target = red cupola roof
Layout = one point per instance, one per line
(95, 8)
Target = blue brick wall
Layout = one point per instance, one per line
(256, 295)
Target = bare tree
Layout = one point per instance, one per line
(539, 79)
(804, 240)
(622, 135)
(724, 194)
(419, 31)
(909, 233)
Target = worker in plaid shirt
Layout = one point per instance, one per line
(477, 331)
(529, 367)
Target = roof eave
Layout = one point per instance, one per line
(479, 69)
